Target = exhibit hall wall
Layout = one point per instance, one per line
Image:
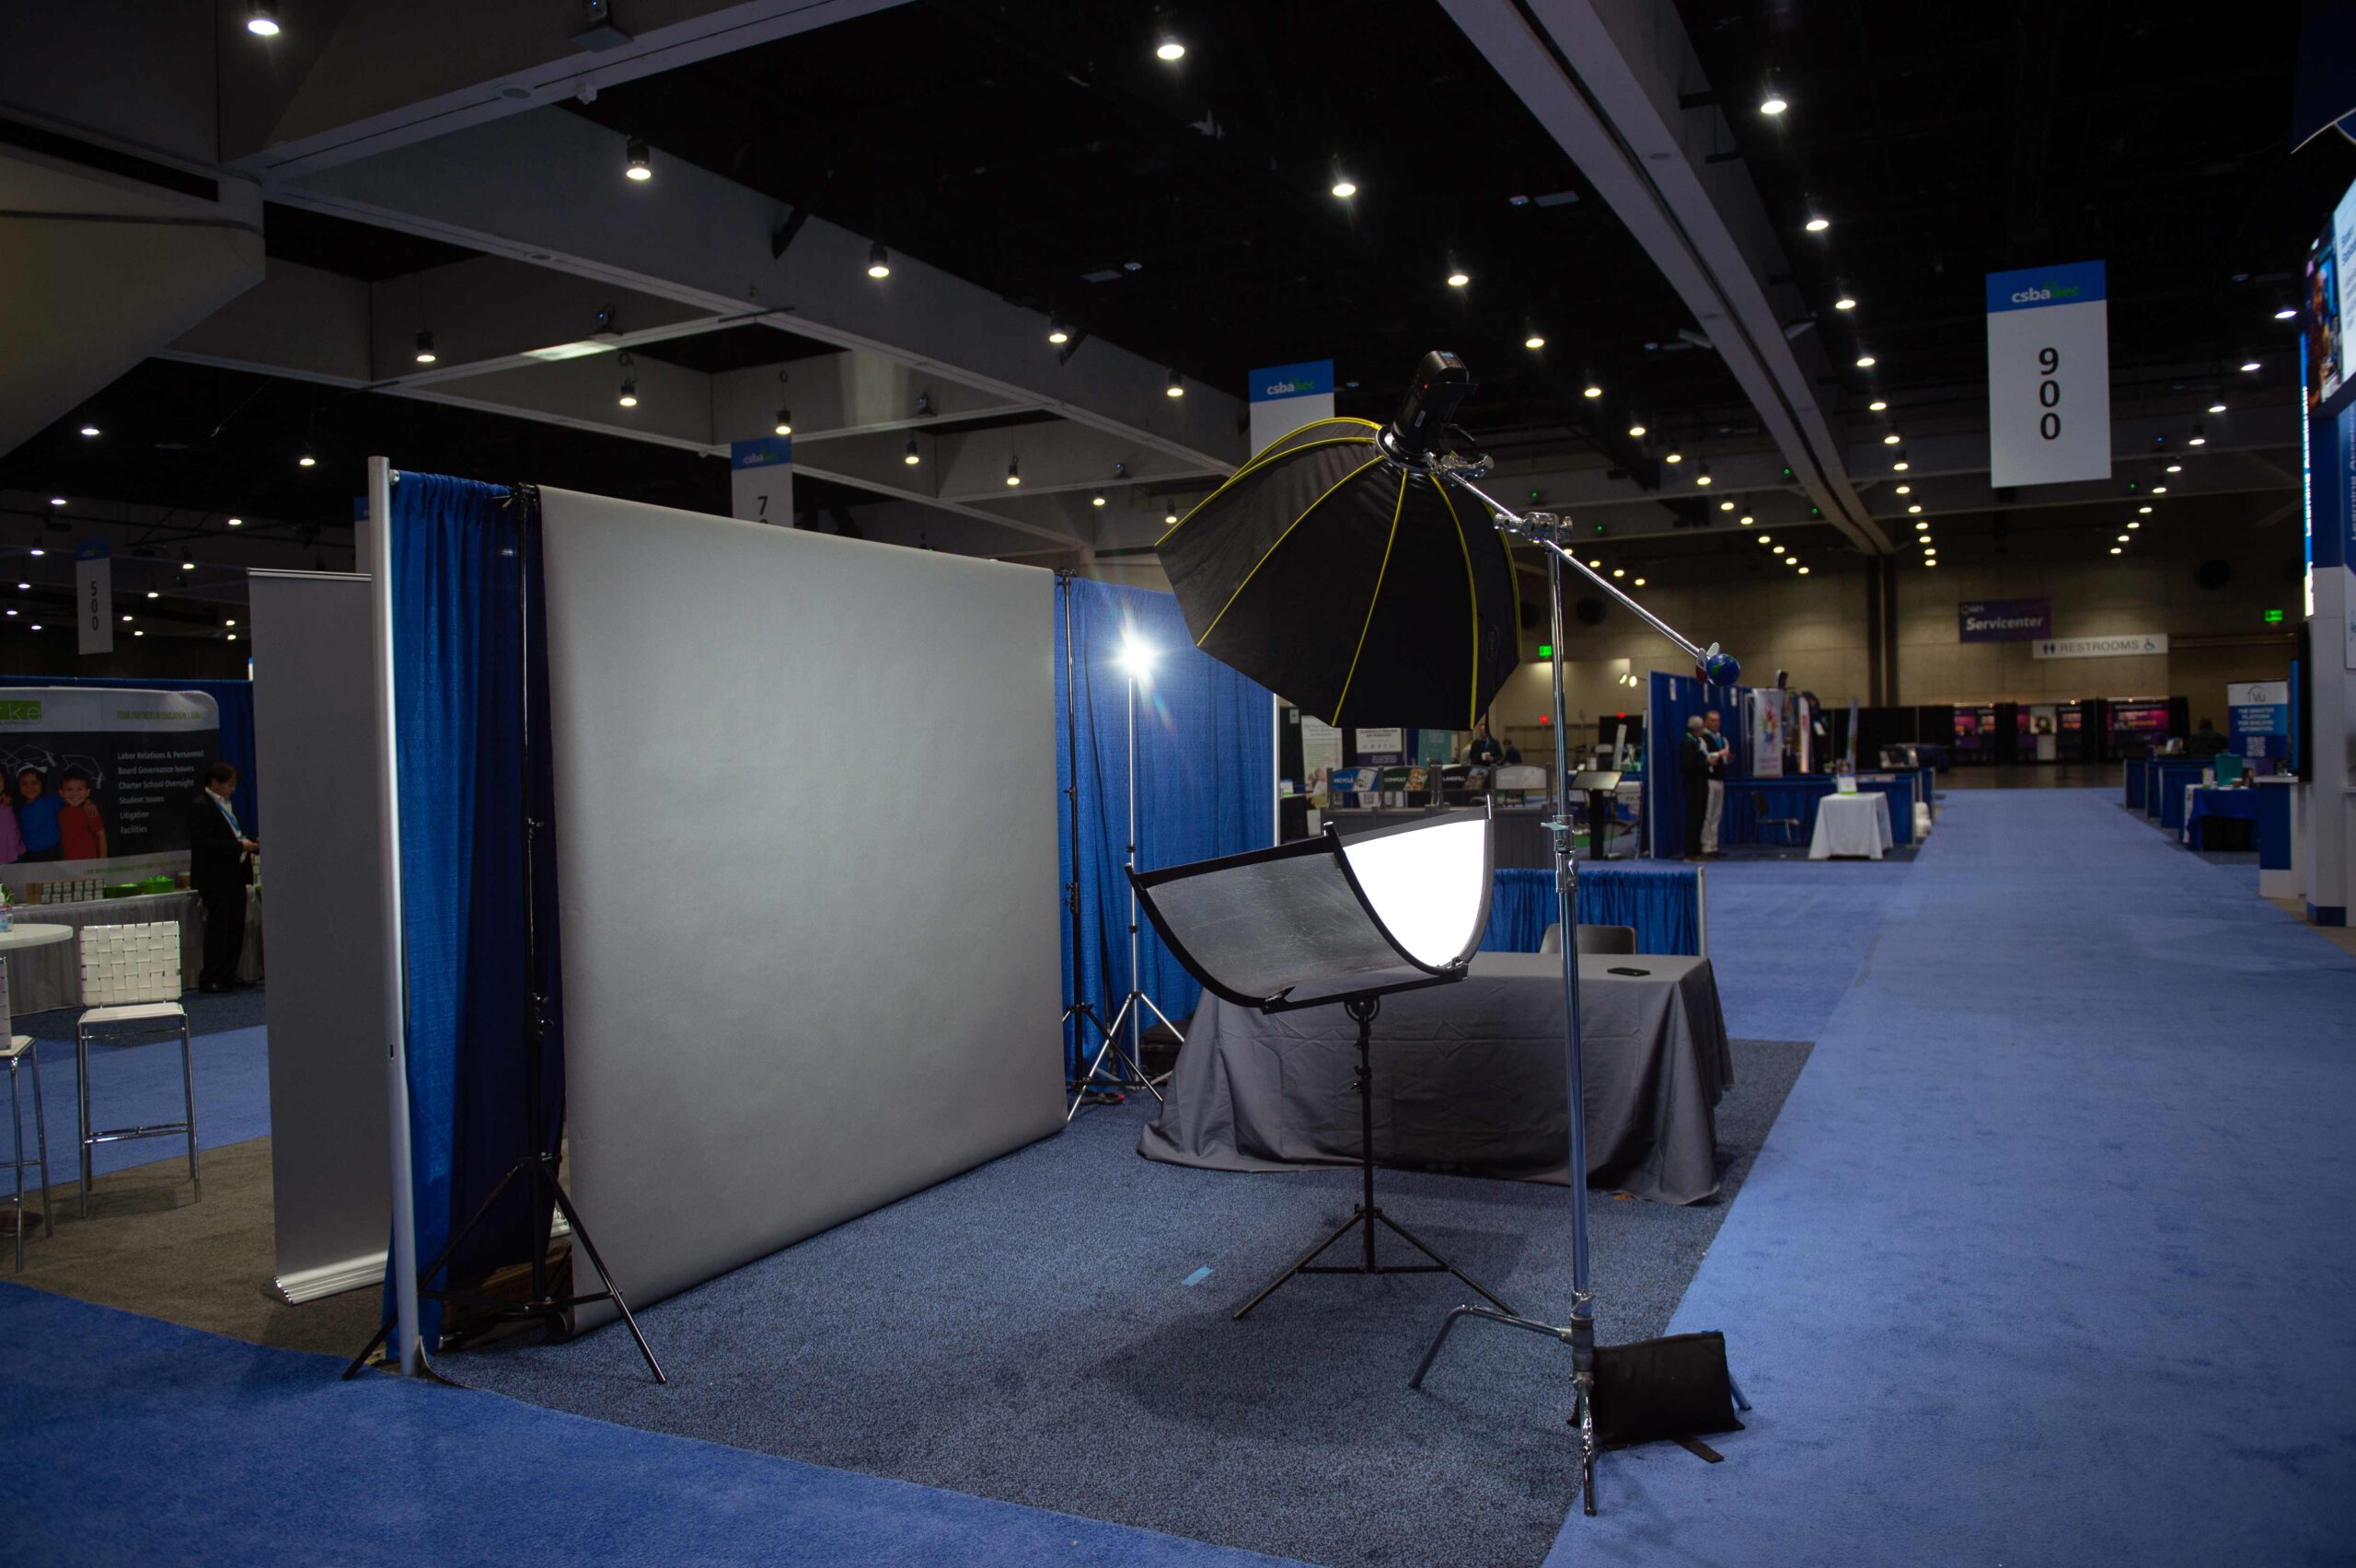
(314, 737)
(804, 974)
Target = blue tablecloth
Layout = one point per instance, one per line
(2169, 779)
(1751, 802)
(1662, 902)
(2218, 805)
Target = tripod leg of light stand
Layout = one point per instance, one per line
(1155, 1083)
(581, 1233)
(425, 1276)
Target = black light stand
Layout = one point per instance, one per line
(1545, 530)
(1080, 1012)
(537, 1168)
(1366, 1215)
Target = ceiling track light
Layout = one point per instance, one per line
(1702, 475)
(908, 453)
(628, 398)
(879, 260)
(1901, 466)
(425, 354)
(1176, 386)
(2197, 438)
(638, 160)
(261, 18)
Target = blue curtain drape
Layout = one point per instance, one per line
(1206, 779)
(1674, 699)
(1663, 903)
(463, 552)
(234, 698)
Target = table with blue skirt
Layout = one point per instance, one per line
(1782, 810)
(2169, 780)
(1663, 903)
(2210, 807)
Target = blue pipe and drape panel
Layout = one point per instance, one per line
(234, 698)
(1672, 700)
(1206, 780)
(1663, 903)
(463, 553)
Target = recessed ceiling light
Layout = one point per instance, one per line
(2195, 438)
(89, 430)
(2285, 313)
(232, 637)
(1845, 303)
(1892, 439)
(1533, 342)
(1637, 581)
(237, 522)
(1637, 431)
(228, 623)
(37, 550)
(153, 595)
(261, 20)
(2159, 490)
(2216, 408)
(141, 632)
(1747, 519)
(879, 260)
(2144, 510)
(1057, 333)
(1773, 103)
(2176, 467)
(1725, 506)
(1345, 189)
(1591, 390)
(1877, 406)
(1819, 224)
(1865, 362)
(2132, 525)
(1902, 465)
(57, 500)
(306, 461)
(1672, 457)
(1778, 550)
(2115, 550)
(1906, 489)
(1619, 571)
(1803, 571)
(1766, 538)
(1914, 507)
(1458, 277)
(2250, 365)
(1169, 50)
(637, 160)
(2122, 538)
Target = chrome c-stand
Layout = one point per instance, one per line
(1545, 530)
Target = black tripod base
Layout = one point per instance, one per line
(1369, 1217)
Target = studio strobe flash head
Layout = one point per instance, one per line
(1441, 382)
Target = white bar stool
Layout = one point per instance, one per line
(131, 974)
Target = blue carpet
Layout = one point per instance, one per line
(159, 1444)
(1786, 937)
(2048, 1259)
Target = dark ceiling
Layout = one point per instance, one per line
(1040, 149)
(1945, 142)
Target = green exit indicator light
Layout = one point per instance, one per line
(2274, 618)
(1546, 650)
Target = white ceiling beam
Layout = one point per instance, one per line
(1609, 95)
(549, 185)
(349, 78)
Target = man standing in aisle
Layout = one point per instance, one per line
(1693, 773)
(1721, 750)
(217, 869)
(1483, 752)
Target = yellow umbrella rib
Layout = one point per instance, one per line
(1273, 549)
(1253, 466)
(1384, 572)
(1473, 590)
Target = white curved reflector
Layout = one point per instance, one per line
(1428, 886)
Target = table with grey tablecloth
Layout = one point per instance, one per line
(1468, 1078)
(1851, 825)
(49, 977)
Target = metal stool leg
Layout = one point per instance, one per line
(187, 1087)
(82, 1107)
(41, 1132)
(16, 1109)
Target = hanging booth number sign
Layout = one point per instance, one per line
(2048, 375)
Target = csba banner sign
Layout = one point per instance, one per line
(2004, 620)
(2048, 375)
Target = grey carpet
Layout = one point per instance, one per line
(1027, 1331)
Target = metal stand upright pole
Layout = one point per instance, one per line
(1135, 1004)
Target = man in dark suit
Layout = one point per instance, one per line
(1693, 770)
(217, 869)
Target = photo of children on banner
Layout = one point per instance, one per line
(39, 824)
